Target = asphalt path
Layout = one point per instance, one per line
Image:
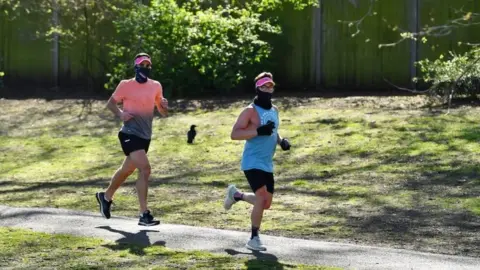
(126, 230)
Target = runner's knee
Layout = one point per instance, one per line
(145, 169)
(267, 203)
(262, 196)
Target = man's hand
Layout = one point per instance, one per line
(164, 103)
(125, 116)
(285, 144)
(266, 130)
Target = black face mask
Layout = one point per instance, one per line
(263, 99)
(141, 74)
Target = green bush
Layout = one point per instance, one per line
(198, 46)
(460, 73)
(193, 51)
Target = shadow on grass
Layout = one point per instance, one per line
(471, 134)
(186, 179)
(425, 227)
(5, 183)
(135, 243)
(31, 212)
(447, 182)
(327, 121)
(423, 223)
(262, 260)
(333, 194)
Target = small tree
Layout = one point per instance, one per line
(79, 22)
(456, 75)
(194, 51)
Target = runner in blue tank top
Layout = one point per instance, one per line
(258, 125)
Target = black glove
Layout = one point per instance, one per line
(285, 144)
(266, 130)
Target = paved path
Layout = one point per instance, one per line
(232, 242)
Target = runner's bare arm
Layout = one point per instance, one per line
(112, 106)
(243, 130)
(161, 103)
(279, 138)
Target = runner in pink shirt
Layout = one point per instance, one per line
(139, 97)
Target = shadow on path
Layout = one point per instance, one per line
(135, 243)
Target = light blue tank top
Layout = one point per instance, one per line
(258, 151)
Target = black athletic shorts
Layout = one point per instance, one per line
(258, 178)
(132, 143)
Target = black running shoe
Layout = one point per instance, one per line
(146, 219)
(104, 204)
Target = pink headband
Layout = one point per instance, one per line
(141, 59)
(263, 81)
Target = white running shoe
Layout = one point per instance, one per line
(229, 200)
(256, 244)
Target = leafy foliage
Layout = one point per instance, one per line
(192, 51)
(197, 46)
(459, 74)
(77, 24)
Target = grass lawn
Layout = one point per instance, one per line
(368, 170)
(24, 249)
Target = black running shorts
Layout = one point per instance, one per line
(258, 178)
(131, 143)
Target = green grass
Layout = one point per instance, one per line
(364, 170)
(24, 249)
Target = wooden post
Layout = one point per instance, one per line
(414, 27)
(317, 39)
(55, 49)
